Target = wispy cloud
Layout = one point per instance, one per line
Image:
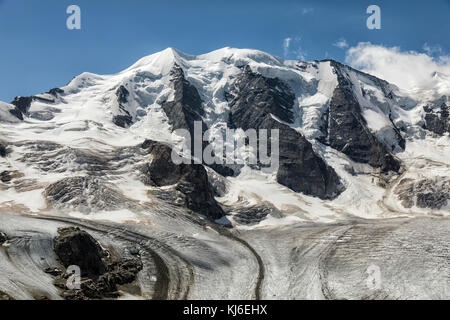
(433, 50)
(293, 49)
(307, 10)
(406, 69)
(341, 43)
(286, 45)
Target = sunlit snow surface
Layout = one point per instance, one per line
(312, 249)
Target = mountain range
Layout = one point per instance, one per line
(363, 170)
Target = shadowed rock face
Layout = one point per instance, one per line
(3, 238)
(5, 176)
(185, 109)
(2, 149)
(347, 129)
(437, 121)
(253, 99)
(189, 179)
(101, 273)
(265, 95)
(123, 120)
(23, 104)
(76, 247)
(187, 104)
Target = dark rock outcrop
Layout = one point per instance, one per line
(185, 109)
(22, 104)
(264, 95)
(253, 99)
(255, 214)
(74, 246)
(347, 130)
(122, 95)
(3, 150)
(437, 121)
(189, 179)
(3, 238)
(186, 106)
(101, 273)
(55, 92)
(424, 193)
(16, 113)
(124, 119)
(5, 176)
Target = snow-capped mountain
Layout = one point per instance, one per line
(348, 140)
(354, 150)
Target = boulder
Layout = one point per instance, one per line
(74, 246)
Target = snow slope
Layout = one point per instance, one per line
(81, 119)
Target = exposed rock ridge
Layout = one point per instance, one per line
(252, 99)
(347, 129)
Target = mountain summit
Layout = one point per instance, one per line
(350, 143)
(91, 175)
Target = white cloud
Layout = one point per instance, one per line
(307, 10)
(406, 69)
(341, 43)
(286, 44)
(432, 50)
(293, 49)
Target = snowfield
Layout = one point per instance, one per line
(283, 244)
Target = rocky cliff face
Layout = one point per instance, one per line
(254, 100)
(190, 180)
(437, 120)
(101, 272)
(124, 119)
(337, 126)
(347, 130)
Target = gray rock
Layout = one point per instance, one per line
(424, 193)
(123, 121)
(22, 104)
(346, 129)
(191, 180)
(185, 109)
(124, 118)
(253, 98)
(74, 246)
(5, 176)
(186, 106)
(437, 121)
(56, 91)
(3, 151)
(3, 238)
(101, 274)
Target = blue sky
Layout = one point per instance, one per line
(38, 52)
